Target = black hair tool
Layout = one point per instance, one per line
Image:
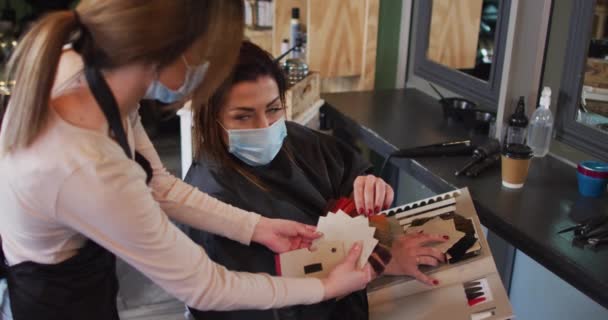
(444, 149)
(585, 228)
(596, 242)
(453, 148)
(481, 153)
(490, 161)
(593, 232)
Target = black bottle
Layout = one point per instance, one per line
(518, 124)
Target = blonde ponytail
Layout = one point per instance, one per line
(115, 33)
(34, 66)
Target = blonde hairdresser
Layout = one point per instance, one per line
(72, 197)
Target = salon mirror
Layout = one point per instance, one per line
(593, 107)
(462, 35)
(460, 46)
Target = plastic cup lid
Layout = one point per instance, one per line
(517, 151)
(595, 169)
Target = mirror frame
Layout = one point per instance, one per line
(567, 128)
(480, 91)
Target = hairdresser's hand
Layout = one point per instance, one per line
(284, 235)
(347, 277)
(372, 195)
(409, 252)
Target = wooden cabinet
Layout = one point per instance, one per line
(262, 38)
(341, 39)
(336, 31)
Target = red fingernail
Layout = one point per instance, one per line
(435, 282)
(360, 211)
(377, 209)
(370, 212)
(385, 208)
(446, 237)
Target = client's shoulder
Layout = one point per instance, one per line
(297, 133)
(207, 176)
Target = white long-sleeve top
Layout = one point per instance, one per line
(74, 184)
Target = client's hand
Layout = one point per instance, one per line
(372, 194)
(284, 235)
(347, 277)
(409, 252)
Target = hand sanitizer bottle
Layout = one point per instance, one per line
(541, 126)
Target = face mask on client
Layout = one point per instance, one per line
(257, 147)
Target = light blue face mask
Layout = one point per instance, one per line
(194, 76)
(257, 147)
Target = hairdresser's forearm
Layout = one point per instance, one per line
(187, 204)
(190, 206)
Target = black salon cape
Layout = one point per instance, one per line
(323, 169)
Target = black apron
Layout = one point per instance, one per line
(84, 286)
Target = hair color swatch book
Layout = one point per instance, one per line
(340, 232)
(469, 284)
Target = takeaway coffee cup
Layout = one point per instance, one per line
(515, 163)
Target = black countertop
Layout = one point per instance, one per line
(527, 218)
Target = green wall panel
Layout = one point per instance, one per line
(389, 26)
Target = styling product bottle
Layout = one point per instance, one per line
(296, 67)
(295, 29)
(541, 126)
(518, 123)
(284, 46)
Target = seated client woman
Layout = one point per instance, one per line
(250, 157)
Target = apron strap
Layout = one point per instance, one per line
(2, 262)
(104, 97)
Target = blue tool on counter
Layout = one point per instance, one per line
(592, 178)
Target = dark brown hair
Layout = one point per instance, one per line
(252, 63)
(117, 33)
